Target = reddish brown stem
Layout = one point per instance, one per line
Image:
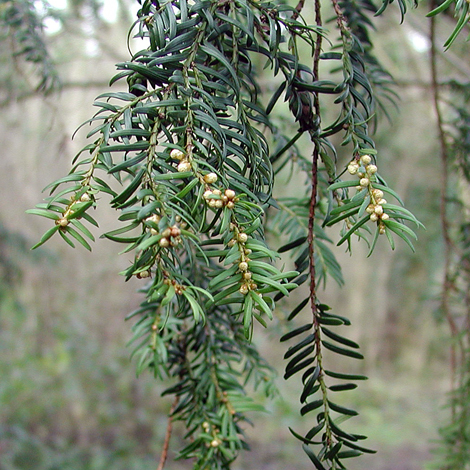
(314, 170)
(169, 428)
(298, 9)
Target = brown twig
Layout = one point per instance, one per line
(314, 170)
(447, 284)
(298, 9)
(311, 225)
(169, 428)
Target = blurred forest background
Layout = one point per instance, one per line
(69, 397)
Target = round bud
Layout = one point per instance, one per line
(175, 231)
(85, 197)
(385, 216)
(230, 193)
(371, 169)
(230, 205)
(166, 233)
(177, 154)
(353, 167)
(215, 443)
(154, 327)
(243, 266)
(224, 198)
(211, 202)
(210, 178)
(178, 218)
(374, 217)
(366, 159)
(206, 425)
(231, 243)
(63, 222)
(381, 229)
(370, 208)
(164, 242)
(253, 286)
(242, 237)
(219, 203)
(217, 192)
(382, 202)
(364, 182)
(207, 194)
(244, 289)
(378, 194)
(247, 276)
(361, 174)
(153, 231)
(184, 166)
(144, 274)
(379, 210)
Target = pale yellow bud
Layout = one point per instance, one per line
(219, 203)
(366, 159)
(218, 192)
(164, 242)
(381, 229)
(242, 237)
(85, 197)
(379, 210)
(382, 202)
(230, 205)
(243, 266)
(207, 194)
(144, 274)
(385, 216)
(370, 208)
(364, 182)
(166, 233)
(378, 194)
(183, 167)
(371, 169)
(247, 276)
(353, 167)
(212, 202)
(215, 443)
(154, 218)
(210, 178)
(63, 222)
(230, 193)
(177, 154)
(374, 217)
(153, 231)
(244, 289)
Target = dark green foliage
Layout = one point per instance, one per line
(192, 152)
